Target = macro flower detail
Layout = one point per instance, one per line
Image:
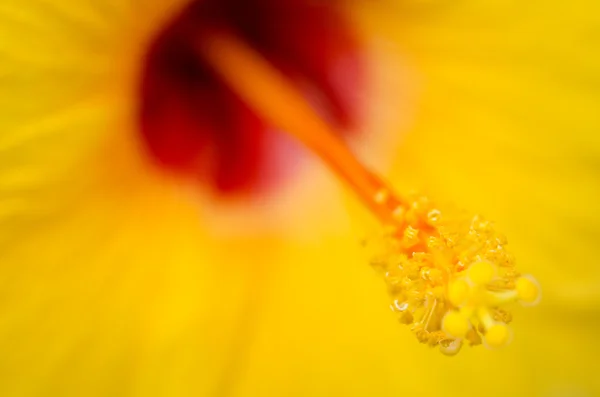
(450, 277)
(449, 274)
(162, 234)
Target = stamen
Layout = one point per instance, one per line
(462, 261)
(447, 272)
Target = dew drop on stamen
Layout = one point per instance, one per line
(450, 347)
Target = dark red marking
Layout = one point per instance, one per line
(193, 125)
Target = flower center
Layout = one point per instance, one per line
(194, 125)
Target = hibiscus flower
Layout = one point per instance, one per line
(161, 237)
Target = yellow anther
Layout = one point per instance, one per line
(455, 324)
(498, 335)
(411, 236)
(458, 292)
(528, 290)
(481, 272)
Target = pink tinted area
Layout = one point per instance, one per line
(195, 126)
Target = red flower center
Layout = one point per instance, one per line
(193, 125)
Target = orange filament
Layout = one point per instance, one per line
(273, 97)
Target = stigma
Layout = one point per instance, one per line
(450, 277)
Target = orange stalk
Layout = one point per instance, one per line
(276, 99)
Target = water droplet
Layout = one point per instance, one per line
(401, 306)
(450, 347)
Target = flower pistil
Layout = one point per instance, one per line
(448, 272)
